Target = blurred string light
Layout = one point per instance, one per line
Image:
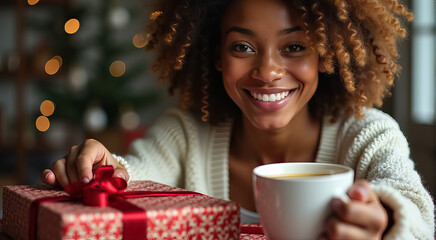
(52, 66)
(130, 120)
(119, 17)
(32, 2)
(47, 108)
(42, 123)
(117, 68)
(77, 77)
(71, 26)
(59, 59)
(140, 40)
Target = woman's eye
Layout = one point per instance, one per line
(241, 48)
(294, 48)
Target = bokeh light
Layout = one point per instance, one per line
(59, 59)
(130, 120)
(117, 68)
(140, 40)
(71, 26)
(47, 108)
(42, 123)
(32, 2)
(52, 66)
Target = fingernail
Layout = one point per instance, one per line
(46, 175)
(361, 190)
(121, 175)
(85, 180)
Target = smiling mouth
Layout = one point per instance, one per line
(273, 97)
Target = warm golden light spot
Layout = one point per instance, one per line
(42, 123)
(71, 26)
(32, 2)
(47, 108)
(52, 66)
(117, 68)
(140, 40)
(155, 15)
(59, 59)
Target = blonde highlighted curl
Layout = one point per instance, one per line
(356, 41)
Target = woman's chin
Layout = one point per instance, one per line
(270, 124)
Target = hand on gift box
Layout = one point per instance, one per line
(80, 163)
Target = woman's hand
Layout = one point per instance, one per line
(79, 163)
(363, 217)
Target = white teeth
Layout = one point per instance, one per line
(269, 97)
(265, 98)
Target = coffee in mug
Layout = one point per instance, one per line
(293, 175)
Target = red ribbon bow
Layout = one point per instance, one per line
(98, 191)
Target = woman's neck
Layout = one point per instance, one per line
(296, 142)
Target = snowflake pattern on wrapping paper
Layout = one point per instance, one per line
(98, 226)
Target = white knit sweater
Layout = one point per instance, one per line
(181, 151)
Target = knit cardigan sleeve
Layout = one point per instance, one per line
(164, 154)
(377, 149)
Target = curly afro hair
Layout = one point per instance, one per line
(356, 41)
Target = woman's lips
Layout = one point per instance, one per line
(270, 100)
(272, 97)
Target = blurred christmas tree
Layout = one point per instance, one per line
(98, 72)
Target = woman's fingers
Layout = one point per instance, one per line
(363, 217)
(79, 163)
(370, 216)
(92, 152)
(60, 171)
(362, 192)
(48, 177)
(337, 229)
(71, 164)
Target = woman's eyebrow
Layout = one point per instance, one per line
(240, 30)
(251, 33)
(289, 30)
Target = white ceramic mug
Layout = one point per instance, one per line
(297, 207)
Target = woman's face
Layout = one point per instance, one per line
(268, 67)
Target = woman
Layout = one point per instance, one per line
(266, 81)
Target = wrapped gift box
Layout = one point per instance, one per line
(170, 217)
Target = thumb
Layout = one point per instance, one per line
(361, 191)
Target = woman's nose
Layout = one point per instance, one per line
(268, 68)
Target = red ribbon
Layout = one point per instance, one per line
(251, 229)
(105, 190)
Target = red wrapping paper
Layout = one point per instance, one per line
(175, 217)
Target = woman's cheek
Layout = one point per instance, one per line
(305, 71)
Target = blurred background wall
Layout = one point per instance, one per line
(75, 69)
